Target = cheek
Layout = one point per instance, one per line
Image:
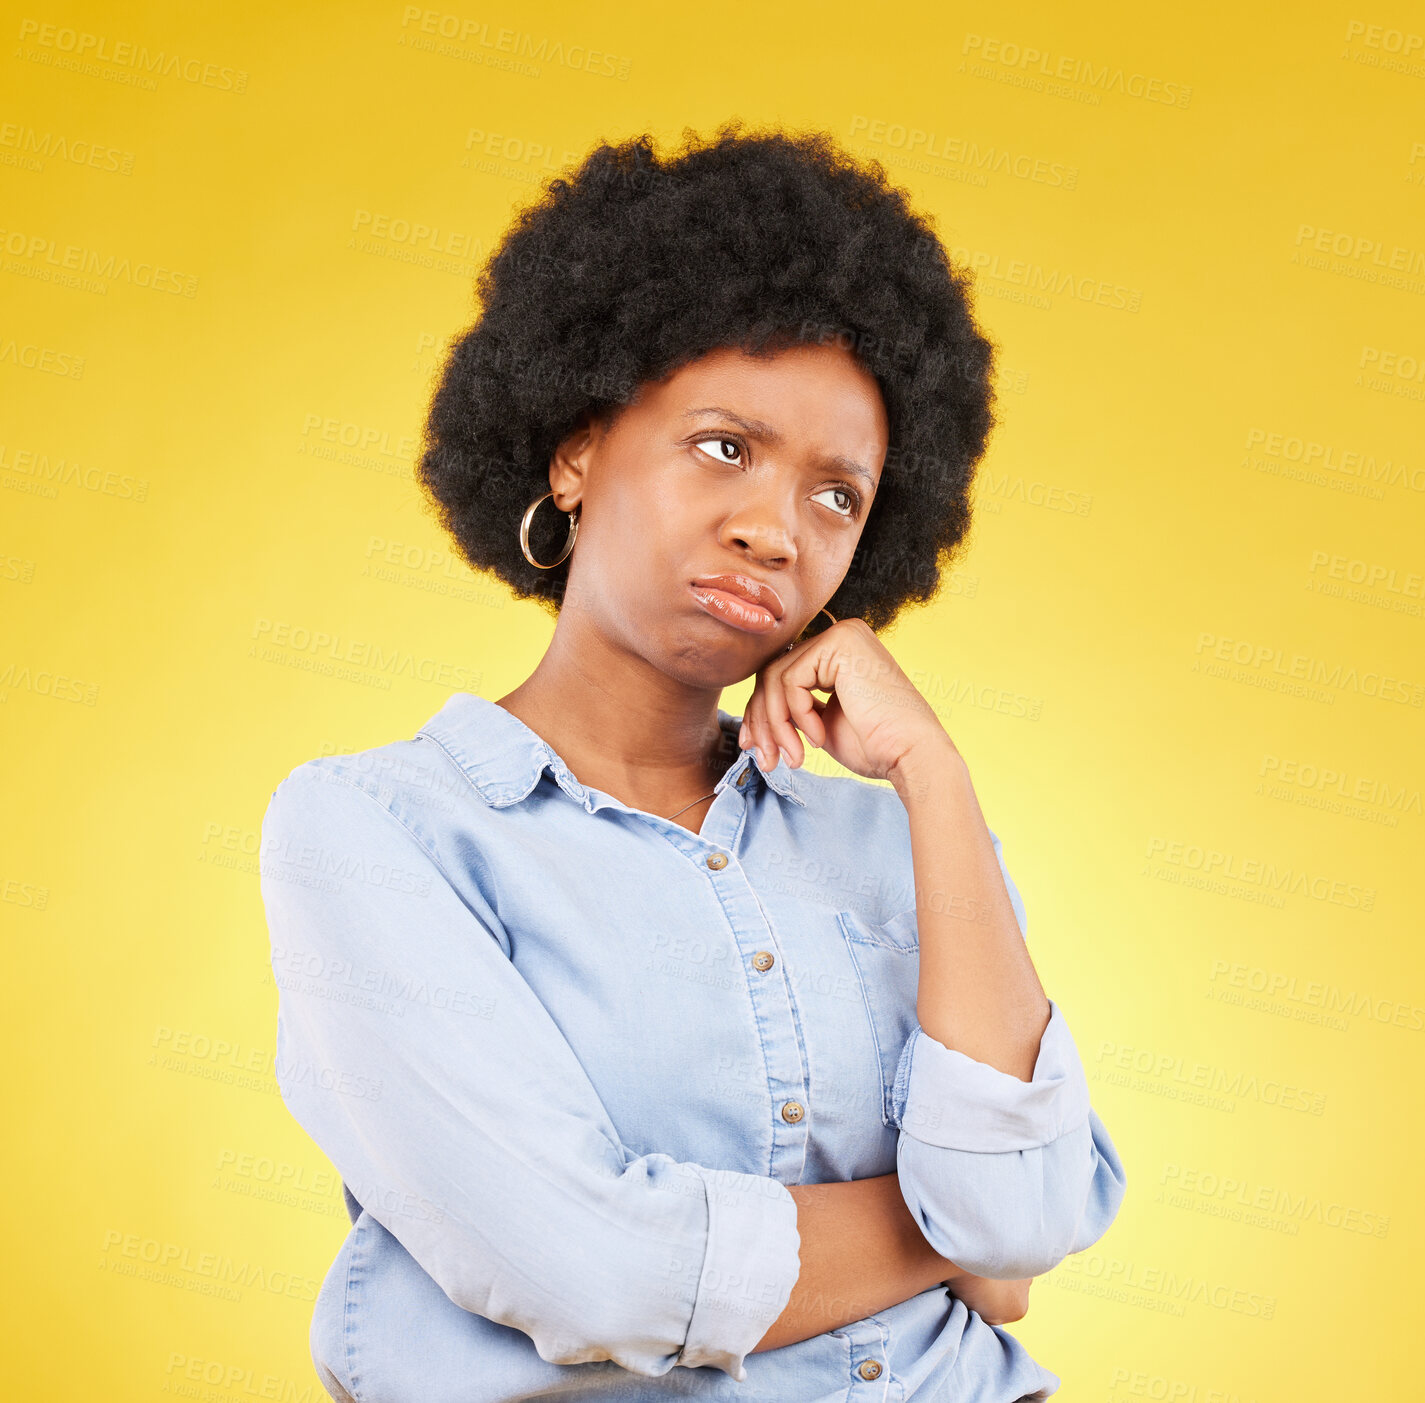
(825, 561)
(644, 529)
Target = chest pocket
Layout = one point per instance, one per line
(887, 962)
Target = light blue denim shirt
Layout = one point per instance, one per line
(567, 1056)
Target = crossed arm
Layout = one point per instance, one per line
(989, 1092)
(863, 1252)
(682, 1263)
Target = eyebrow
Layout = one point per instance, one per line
(760, 430)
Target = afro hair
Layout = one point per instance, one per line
(631, 266)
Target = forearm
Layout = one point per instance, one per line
(979, 993)
(861, 1252)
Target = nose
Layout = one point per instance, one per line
(761, 527)
(772, 548)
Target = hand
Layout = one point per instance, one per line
(995, 1302)
(874, 717)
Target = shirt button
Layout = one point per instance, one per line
(742, 778)
(717, 861)
(870, 1369)
(793, 1111)
(763, 960)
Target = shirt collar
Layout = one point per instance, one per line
(505, 759)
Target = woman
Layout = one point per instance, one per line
(653, 1062)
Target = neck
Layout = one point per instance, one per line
(621, 726)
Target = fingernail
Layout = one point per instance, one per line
(742, 738)
(782, 750)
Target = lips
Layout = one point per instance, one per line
(739, 600)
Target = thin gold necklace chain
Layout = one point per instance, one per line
(698, 800)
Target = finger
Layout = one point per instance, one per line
(806, 712)
(816, 667)
(746, 739)
(779, 720)
(764, 731)
(755, 725)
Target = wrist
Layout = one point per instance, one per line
(917, 1264)
(928, 1269)
(925, 770)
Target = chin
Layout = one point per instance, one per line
(697, 662)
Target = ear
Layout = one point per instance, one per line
(570, 461)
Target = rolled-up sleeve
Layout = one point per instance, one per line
(415, 1055)
(1005, 1177)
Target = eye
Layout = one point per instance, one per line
(721, 443)
(853, 496)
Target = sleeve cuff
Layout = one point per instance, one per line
(753, 1261)
(942, 1097)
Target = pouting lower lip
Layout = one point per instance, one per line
(739, 612)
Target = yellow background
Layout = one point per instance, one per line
(1197, 551)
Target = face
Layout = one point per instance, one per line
(758, 467)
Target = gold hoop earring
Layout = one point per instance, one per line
(524, 534)
(798, 638)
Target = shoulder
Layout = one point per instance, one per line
(413, 781)
(399, 818)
